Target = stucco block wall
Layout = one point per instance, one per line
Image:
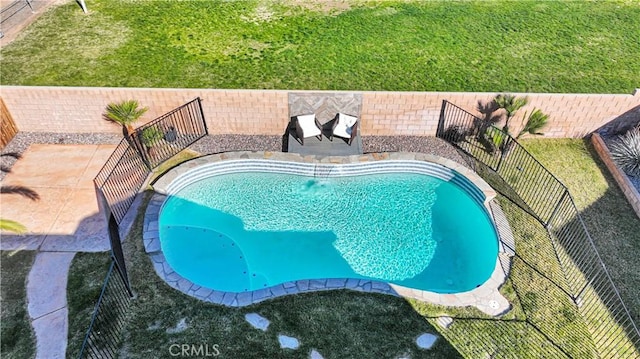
(570, 115)
(74, 109)
(78, 109)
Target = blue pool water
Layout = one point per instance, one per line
(245, 231)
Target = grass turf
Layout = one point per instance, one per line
(614, 227)
(85, 281)
(16, 336)
(513, 46)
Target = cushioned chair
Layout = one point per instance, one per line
(308, 126)
(345, 126)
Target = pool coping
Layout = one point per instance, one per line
(486, 297)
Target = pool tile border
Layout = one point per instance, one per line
(486, 297)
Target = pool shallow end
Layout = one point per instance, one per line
(486, 297)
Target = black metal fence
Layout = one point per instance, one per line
(103, 337)
(121, 178)
(516, 174)
(171, 133)
(117, 185)
(124, 173)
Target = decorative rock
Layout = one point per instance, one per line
(180, 327)
(257, 321)
(315, 355)
(287, 342)
(426, 341)
(444, 321)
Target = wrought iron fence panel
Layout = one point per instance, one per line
(465, 131)
(613, 330)
(171, 133)
(128, 167)
(540, 189)
(121, 178)
(117, 185)
(104, 334)
(515, 173)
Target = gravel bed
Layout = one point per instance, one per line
(22, 140)
(226, 143)
(430, 145)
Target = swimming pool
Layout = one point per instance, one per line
(241, 226)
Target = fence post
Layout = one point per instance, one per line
(117, 253)
(502, 154)
(440, 129)
(204, 122)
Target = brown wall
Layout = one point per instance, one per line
(76, 109)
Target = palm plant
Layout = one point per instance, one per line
(511, 104)
(125, 113)
(486, 132)
(534, 123)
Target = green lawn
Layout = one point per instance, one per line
(17, 339)
(513, 46)
(611, 221)
(86, 278)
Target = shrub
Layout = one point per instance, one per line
(455, 133)
(151, 135)
(626, 152)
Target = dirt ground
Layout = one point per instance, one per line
(16, 15)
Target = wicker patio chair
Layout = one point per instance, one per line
(308, 126)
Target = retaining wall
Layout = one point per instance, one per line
(623, 181)
(79, 109)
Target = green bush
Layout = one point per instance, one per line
(151, 135)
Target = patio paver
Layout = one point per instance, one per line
(47, 302)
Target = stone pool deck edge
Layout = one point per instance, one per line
(486, 297)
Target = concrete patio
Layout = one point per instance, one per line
(66, 217)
